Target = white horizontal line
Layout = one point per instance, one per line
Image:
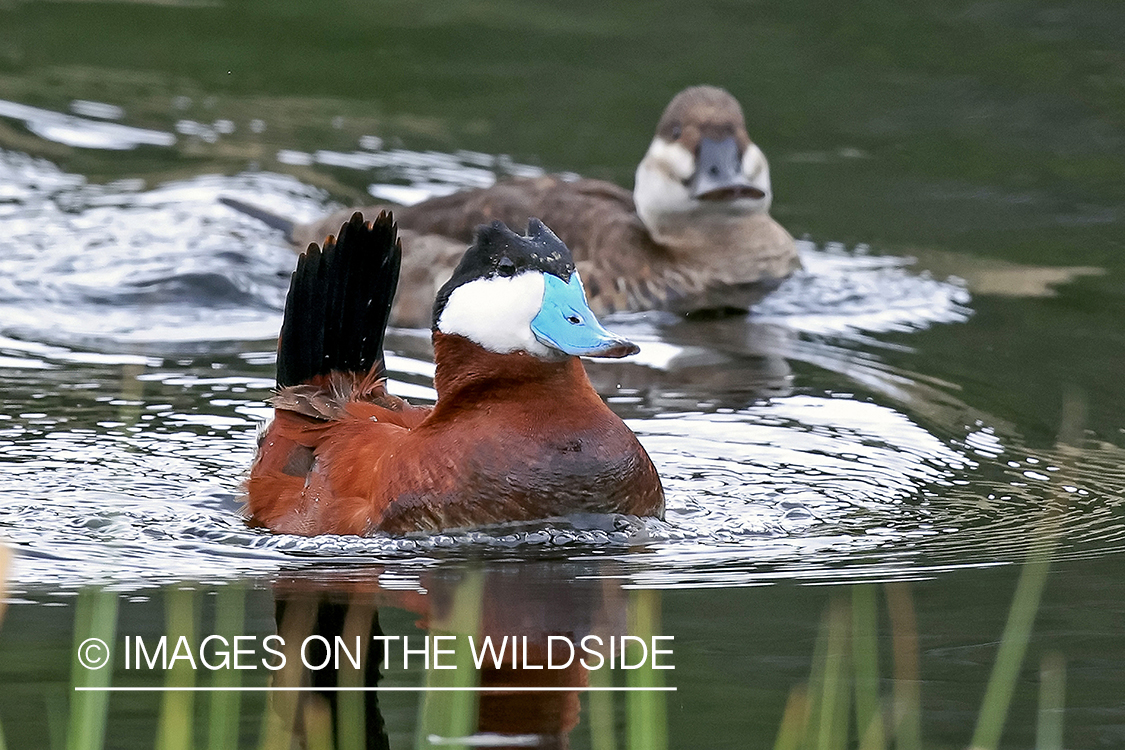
(309, 689)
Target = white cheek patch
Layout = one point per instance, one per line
(757, 170)
(660, 189)
(497, 312)
(673, 158)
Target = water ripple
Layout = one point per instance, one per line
(796, 487)
(136, 337)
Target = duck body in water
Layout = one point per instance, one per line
(517, 433)
(695, 235)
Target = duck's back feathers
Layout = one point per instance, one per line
(723, 264)
(595, 219)
(294, 487)
(570, 208)
(720, 264)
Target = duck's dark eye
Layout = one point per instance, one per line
(573, 320)
(506, 267)
(677, 131)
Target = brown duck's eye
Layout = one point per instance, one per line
(506, 267)
(677, 131)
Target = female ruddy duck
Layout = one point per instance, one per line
(517, 432)
(695, 235)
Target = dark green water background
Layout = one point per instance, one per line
(990, 129)
(962, 133)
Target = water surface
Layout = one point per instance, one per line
(931, 400)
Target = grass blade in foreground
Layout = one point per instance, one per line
(647, 710)
(95, 617)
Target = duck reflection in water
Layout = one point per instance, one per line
(541, 605)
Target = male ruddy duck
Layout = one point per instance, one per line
(695, 235)
(517, 433)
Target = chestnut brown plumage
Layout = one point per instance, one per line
(512, 436)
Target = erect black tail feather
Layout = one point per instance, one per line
(339, 302)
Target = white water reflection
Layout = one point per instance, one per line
(134, 480)
(840, 292)
(83, 132)
(122, 263)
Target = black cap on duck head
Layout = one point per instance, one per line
(513, 293)
(498, 251)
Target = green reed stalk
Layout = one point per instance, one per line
(230, 612)
(1013, 645)
(453, 713)
(1052, 691)
(832, 727)
(647, 711)
(907, 703)
(1029, 591)
(317, 718)
(874, 736)
(602, 733)
(95, 617)
(794, 720)
(816, 688)
(176, 723)
(865, 659)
